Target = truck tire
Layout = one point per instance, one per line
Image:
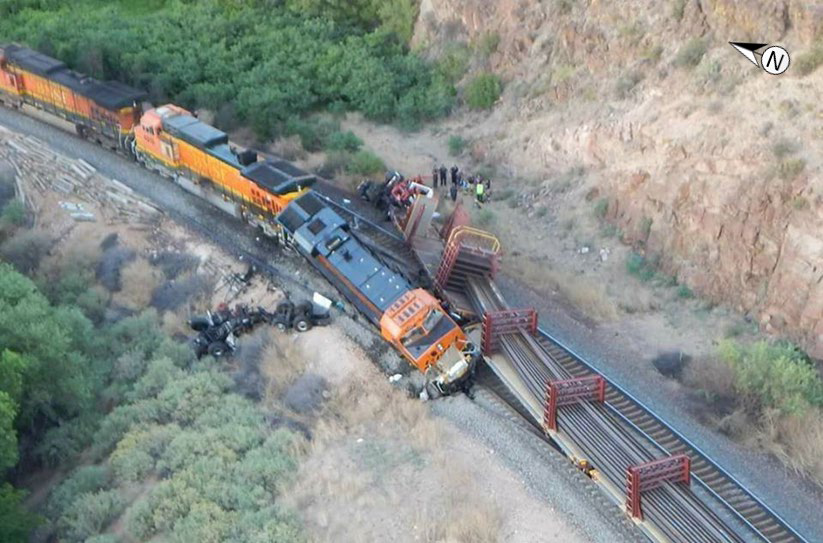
(281, 326)
(302, 323)
(199, 323)
(218, 349)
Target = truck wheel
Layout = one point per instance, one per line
(302, 323)
(218, 349)
(199, 323)
(281, 326)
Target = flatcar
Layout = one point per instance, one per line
(410, 319)
(105, 112)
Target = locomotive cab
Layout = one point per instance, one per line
(419, 328)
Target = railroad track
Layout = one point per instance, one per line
(622, 432)
(745, 507)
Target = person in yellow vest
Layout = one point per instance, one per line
(479, 191)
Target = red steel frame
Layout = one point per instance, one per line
(589, 388)
(459, 217)
(497, 323)
(643, 477)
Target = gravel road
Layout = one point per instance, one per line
(543, 471)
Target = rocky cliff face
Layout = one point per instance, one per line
(710, 165)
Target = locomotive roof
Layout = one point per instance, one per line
(278, 176)
(111, 95)
(318, 230)
(194, 131)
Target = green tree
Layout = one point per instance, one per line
(15, 522)
(8, 435)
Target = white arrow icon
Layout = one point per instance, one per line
(748, 49)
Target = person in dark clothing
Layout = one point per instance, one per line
(453, 192)
(434, 176)
(454, 171)
(443, 173)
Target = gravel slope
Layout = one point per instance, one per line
(543, 471)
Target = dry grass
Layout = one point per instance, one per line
(280, 366)
(382, 409)
(174, 323)
(797, 440)
(588, 296)
(711, 376)
(138, 279)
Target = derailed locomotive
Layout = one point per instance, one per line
(273, 195)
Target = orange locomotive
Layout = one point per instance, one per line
(105, 112)
(173, 142)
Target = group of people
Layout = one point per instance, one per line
(475, 184)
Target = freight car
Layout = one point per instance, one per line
(105, 112)
(411, 319)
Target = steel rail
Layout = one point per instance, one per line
(714, 528)
(745, 506)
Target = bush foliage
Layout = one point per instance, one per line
(483, 91)
(268, 61)
(773, 376)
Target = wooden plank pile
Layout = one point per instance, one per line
(43, 171)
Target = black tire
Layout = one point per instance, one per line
(281, 326)
(432, 390)
(219, 349)
(200, 323)
(302, 323)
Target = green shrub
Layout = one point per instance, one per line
(457, 144)
(775, 376)
(485, 217)
(806, 63)
(646, 227)
(691, 53)
(488, 43)
(365, 163)
(791, 168)
(783, 147)
(627, 82)
(483, 91)
(542, 212)
(343, 141)
(336, 162)
(505, 194)
(104, 538)
(454, 62)
(678, 9)
(601, 208)
(684, 292)
(14, 213)
(25, 250)
(16, 522)
(639, 266)
(89, 514)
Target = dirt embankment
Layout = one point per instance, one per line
(702, 162)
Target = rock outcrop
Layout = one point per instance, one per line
(714, 169)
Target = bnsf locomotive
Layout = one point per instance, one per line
(271, 194)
